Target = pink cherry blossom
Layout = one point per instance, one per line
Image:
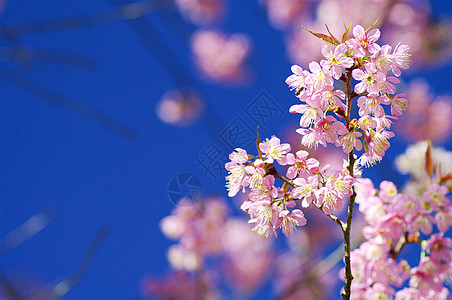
(364, 189)
(327, 99)
(264, 216)
(435, 196)
(300, 163)
(309, 114)
(274, 150)
(363, 41)
(379, 143)
(238, 177)
(370, 79)
(305, 189)
(350, 141)
(328, 199)
(336, 60)
(388, 190)
(319, 78)
(289, 222)
(399, 104)
(297, 79)
(443, 219)
(401, 57)
(371, 105)
(440, 250)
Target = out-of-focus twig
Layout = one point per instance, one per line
(63, 287)
(18, 52)
(27, 55)
(71, 104)
(175, 67)
(18, 236)
(8, 289)
(127, 12)
(27, 230)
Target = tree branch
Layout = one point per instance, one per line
(348, 226)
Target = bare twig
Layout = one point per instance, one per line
(12, 33)
(28, 55)
(71, 104)
(9, 289)
(127, 12)
(181, 76)
(27, 230)
(62, 288)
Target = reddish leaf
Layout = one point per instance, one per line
(332, 36)
(446, 178)
(438, 172)
(323, 37)
(258, 141)
(429, 160)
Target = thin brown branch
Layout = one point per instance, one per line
(348, 226)
(332, 217)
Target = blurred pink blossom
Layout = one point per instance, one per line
(283, 13)
(179, 107)
(300, 276)
(427, 116)
(221, 57)
(243, 272)
(201, 12)
(180, 285)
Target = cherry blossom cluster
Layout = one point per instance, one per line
(271, 207)
(369, 64)
(396, 220)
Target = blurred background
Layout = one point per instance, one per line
(113, 110)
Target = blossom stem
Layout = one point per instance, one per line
(348, 226)
(346, 229)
